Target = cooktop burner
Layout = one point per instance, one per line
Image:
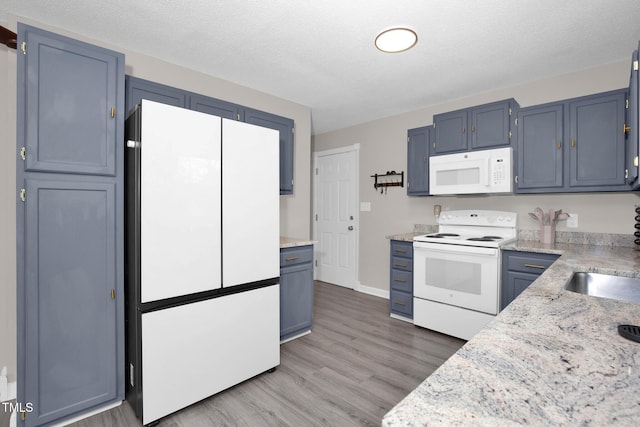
(442, 235)
(485, 238)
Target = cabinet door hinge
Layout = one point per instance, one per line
(238, 117)
(23, 48)
(635, 65)
(626, 103)
(516, 121)
(23, 153)
(515, 178)
(510, 134)
(23, 194)
(510, 111)
(626, 174)
(625, 129)
(434, 145)
(635, 161)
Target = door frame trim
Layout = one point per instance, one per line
(314, 209)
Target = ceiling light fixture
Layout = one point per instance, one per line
(396, 40)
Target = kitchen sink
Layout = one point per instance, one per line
(605, 286)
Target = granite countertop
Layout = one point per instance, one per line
(288, 242)
(552, 357)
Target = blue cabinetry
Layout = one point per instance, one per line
(401, 279)
(576, 145)
(69, 226)
(138, 89)
(476, 128)
(519, 270)
(296, 291)
(418, 141)
(631, 127)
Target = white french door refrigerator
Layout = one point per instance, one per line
(202, 256)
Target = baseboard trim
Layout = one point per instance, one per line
(376, 292)
(89, 414)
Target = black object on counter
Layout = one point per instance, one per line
(630, 332)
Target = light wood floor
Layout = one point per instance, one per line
(351, 370)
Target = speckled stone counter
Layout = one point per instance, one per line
(288, 242)
(552, 357)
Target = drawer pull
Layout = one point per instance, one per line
(292, 258)
(400, 265)
(400, 280)
(401, 251)
(399, 303)
(542, 267)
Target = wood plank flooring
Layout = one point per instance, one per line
(351, 370)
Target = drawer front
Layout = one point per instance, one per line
(401, 303)
(401, 280)
(399, 263)
(528, 262)
(402, 249)
(296, 255)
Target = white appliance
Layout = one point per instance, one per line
(472, 172)
(456, 271)
(202, 256)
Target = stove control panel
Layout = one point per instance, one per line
(479, 218)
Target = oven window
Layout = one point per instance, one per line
(466, 176)
(456, 275)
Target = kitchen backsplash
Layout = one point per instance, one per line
(580, 238)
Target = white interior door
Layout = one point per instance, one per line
(336, 216)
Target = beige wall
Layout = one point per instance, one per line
(294, 209)
(383, 147)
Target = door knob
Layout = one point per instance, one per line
(350, 228)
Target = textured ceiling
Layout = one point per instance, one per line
(321, 53)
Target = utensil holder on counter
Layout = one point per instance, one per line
(548, 233)
(636, 234)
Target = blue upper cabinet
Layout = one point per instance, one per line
(286, 129)
(575, 145)
(66, 108)
(540, 153)
(451, 132)
(632, 122)
(476, 128)
(597, 141)
(216, 107)
(137, 89)
(418, 141)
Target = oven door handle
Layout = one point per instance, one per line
(458, 249)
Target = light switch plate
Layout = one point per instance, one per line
(572, 221)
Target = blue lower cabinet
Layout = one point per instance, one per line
(519, 270)
(296, 291)
(401, 279)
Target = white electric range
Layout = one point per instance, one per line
(456, 271)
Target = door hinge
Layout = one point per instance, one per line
(516, 121)
(635, 65)
(23, 153)
(635, 161)
(626, 173)
(23, 194)
(23, 48)
(510, 111)
(510, 134)
(515, 178)
(626, 103)
(238, 117)
(434, 145)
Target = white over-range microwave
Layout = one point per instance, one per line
(472, 172)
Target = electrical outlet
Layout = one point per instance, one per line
(572, 221)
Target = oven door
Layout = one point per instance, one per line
(462, 276)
